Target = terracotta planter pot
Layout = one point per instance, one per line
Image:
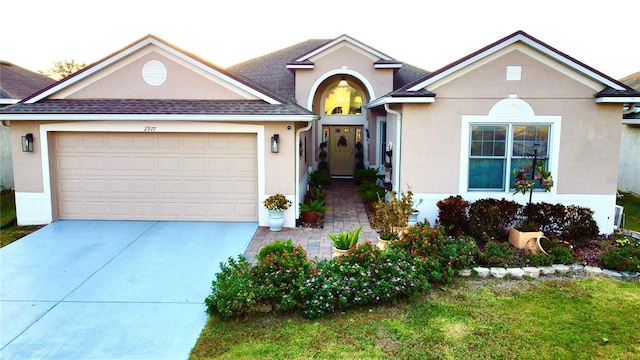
(311, 217)
(528, 240)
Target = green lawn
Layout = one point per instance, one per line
(473, 319)
(631, 204)
(7, 213)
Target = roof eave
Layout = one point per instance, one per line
(158, 117)
(388, 66)
(400, 100)
(617, 99)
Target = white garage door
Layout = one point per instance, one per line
(155, 176)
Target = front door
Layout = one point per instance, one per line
(342, 140)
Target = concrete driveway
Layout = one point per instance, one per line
(111, 289)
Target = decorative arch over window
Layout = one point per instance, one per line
(503, 141)
(343, 99)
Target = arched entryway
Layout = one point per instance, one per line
(341, 131)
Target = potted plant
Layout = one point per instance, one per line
(368, 174)
(413, 218)
(392, 216)
(345, 240)
(276, 204)
(311, 212)
(525, 235)
(371, 193)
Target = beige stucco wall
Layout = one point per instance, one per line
(347, 59)
(27, 166)
(279, 167)
(181, 83)
(590, 132)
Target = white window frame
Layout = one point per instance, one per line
(508, 112)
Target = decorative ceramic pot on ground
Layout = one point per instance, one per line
(528, 240)
(401, 230)
(338, 252)
(382, 244)
(276, 220)
(413, 218)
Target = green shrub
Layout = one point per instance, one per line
(319, 178)
(538, 259)
(548, 218)
(442, 254)
(368, 174)
(232, 289)
(490, 219)
(579, 226)
(624, 257)
(369, 191)
(453, 215)
(315, 193)
(497, 254)
(279, 275)
(342, 282)
(561, 255)
(275, 247)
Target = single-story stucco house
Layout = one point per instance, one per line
(153, 132)
(16, 83)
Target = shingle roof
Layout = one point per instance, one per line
(270, 70)
(155, 107)
(632, 81)
(17, 82)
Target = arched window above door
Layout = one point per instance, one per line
(343, 99)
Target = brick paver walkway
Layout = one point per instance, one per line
(346, 212)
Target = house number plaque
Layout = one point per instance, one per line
(149, 128)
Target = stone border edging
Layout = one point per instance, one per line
(575, 270)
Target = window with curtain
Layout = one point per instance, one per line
(496, 150)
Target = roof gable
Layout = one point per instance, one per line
(138, 50)
(425, 84)
(306, 60)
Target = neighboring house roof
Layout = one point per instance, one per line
(633, 116)
(16, 83)
(273, 71)
(265, 103)
(632, 81)
(614, 90)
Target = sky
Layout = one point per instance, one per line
(425, 33)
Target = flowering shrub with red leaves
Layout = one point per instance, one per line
(452, 215)
(441, 253)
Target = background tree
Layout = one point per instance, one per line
(62, 68)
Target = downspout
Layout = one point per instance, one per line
(297, 170)
(396, 148)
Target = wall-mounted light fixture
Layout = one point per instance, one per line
(275, 139)
(27, 143)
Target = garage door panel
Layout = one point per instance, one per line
(156, 176)
(119, 163)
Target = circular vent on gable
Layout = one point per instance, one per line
(154, 72)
